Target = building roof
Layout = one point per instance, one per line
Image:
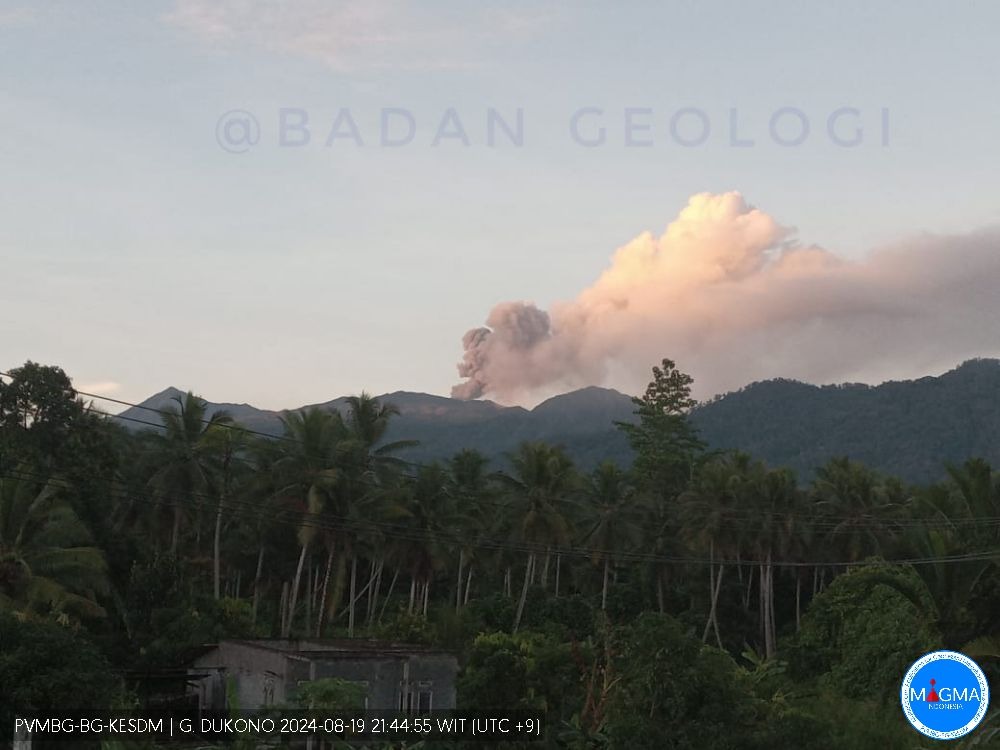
(339, 648)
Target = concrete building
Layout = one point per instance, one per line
(394, 676)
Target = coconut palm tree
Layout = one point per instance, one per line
(262, 502)
(612, 518)
(858, 507)
(367, 422)
(951, 526)
(711, 520)
(473, 512)
(225, 480)
(48, 563)
(187, 452)
(976, 494)
(308, 475)
(772, 494)
(428, 506)
(368, 466)
(540, 480)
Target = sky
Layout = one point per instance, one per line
(200, 193)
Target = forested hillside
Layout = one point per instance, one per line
(910, 429)
(694, 600)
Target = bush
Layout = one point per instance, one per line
(860, 635)
(48, 668)
(522, 671)
(671, 692)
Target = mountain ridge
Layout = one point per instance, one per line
(910, 428)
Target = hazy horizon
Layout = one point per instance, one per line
(116, 408)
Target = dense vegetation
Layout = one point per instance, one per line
(696, 600)
(909, 429)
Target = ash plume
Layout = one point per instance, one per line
(733, 297)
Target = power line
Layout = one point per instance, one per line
(325, 521)
(741, 519)
(730, 519)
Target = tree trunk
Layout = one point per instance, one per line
(528, 570)
(761, 608)
(545, 568)
(558, 568)
(294, 596)
(715, 583)
(176, 533)
(468, 586)
(458, 588)
(256, 584)
(798, 601)
(413, 593)
(767, 602)
(388, 596)
(217, 536)
(311, 585)
(715, 605)
(660, 602)
(770, 595)
(711, 590)
(322, 596)
(427, 596)
(283, 607)
(354, 583)
(217, 553)
(374, 589)
(604, 585)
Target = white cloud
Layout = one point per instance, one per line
(354, 34)
(733, 297)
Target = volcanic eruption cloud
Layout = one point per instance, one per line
(731, 296)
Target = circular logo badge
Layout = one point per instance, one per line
(945, 695)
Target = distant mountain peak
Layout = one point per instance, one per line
(908, 428)
(978, 364)
(167, 393)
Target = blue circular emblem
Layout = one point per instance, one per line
(945, 695)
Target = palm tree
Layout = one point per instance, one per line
(47, 560)
(710, 516)
(976, 494)
(187, 456)
(368, 466)
(308, 474)
(612, 517)
(472, 512)
(261, 495)
(367, 425)
(858, 506)
(540, 479)
(951, 525)
(232, 444)
(772, 495)
(427, 505)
